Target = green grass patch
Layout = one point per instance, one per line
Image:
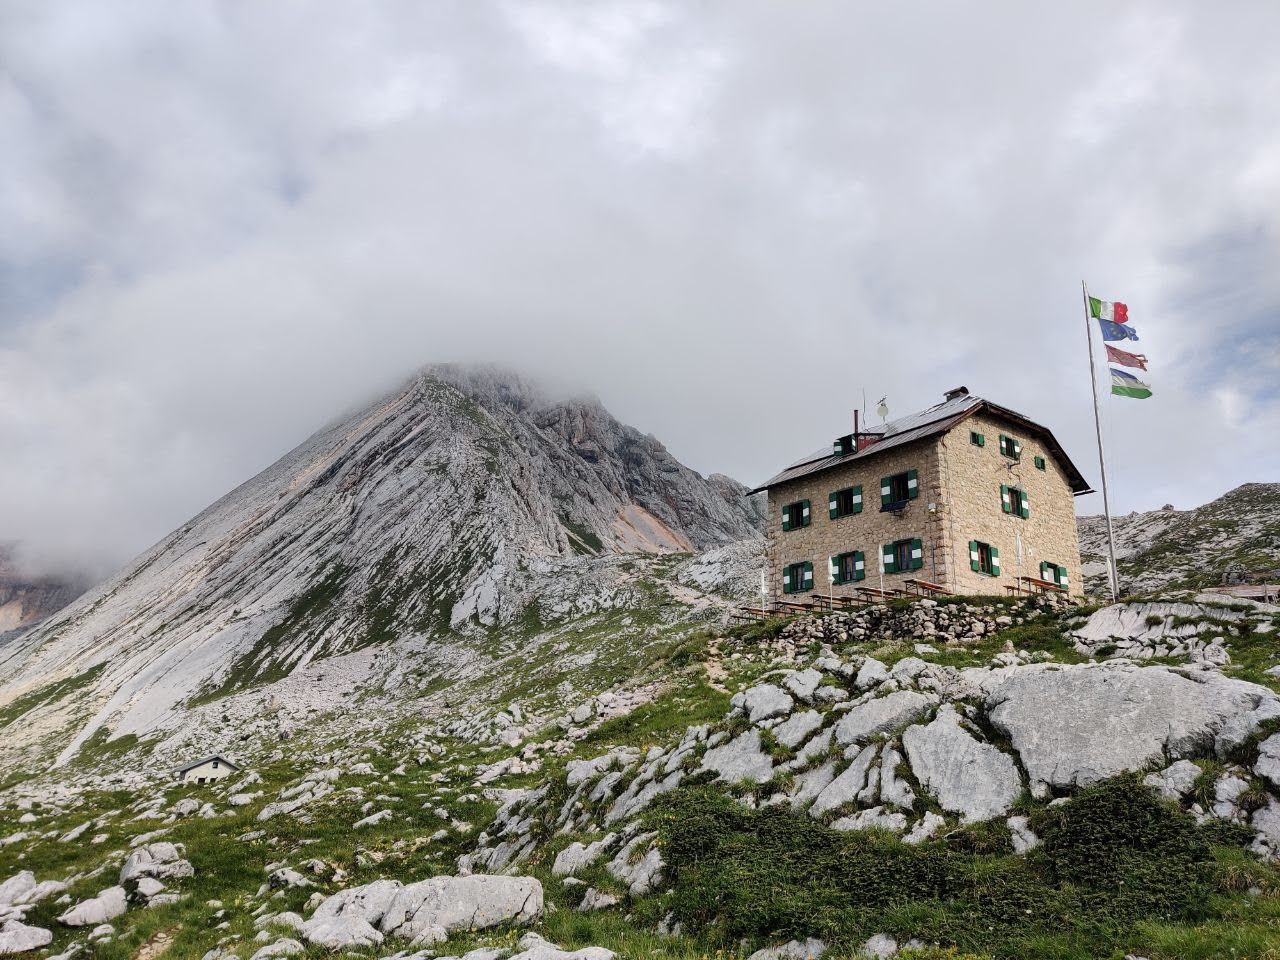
(1113, 858)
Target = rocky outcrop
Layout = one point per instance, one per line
(1075, 725)
(107, 905)
(974, 779)
(423, 912)
(17, 937)
(1166, 549)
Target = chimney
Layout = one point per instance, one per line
(956, 393)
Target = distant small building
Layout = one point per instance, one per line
(211, 768)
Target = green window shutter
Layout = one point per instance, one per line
(917, 554)
(857, 499)
(886, 557)
(804, 513)
(995, 562)
(786, 580)
(1004, 445)
(1048, 571)
(1006, 502)
(806, 576)
(1026, 504)
(833, 505)
(1017, 449)
(977, 439)
(974, 564)
(885, 493)
(859, 565)
(786, 518)
(1063, 580)
(913, 484)
(1039, 463)
(834, 570)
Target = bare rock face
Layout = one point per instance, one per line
(107, 905)
(1076, 725)
(458, 500)
(423, 912)
(25, 600)
(971, 778)
(18, 937)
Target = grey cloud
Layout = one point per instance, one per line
(228, 224)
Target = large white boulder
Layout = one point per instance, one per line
(160, 860)
(887, 714)
(846, 787)
(1076, 725)
(107, 905)
(424, 912)
(742, 758)
(810, 949)
(17, 937)
(967, 776)
(764, 701)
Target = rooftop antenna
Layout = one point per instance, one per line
(883, 410)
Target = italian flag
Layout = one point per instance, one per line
(1116, 312)
(1127, 385)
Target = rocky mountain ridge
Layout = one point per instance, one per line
(1209, 545)
(25, 600)
(450, 508)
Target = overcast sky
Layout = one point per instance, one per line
(221, 224)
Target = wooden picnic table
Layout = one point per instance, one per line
(1044, 586)
(925, 588)
(877, 595)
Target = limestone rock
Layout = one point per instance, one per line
(1268, 765)
(425, 912)
(809, 949)
(107, 905)
(1024, 838)
(17, 937)
(887, 714)
(578, 856)
(881, 946)
(875, 818)
(1076, 725)
(925, 829)
(1175, 781)
(793, 731)
(968, 777)
(595, 899)
(844, 788)
(641, 874)
(533, 947)
(764, 701)
(740, 759)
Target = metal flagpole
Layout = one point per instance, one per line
(1113, 576)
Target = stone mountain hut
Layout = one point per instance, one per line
(966, 496)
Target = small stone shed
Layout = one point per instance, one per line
(206, 770)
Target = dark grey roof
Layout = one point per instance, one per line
(213, 756)
(937, 419)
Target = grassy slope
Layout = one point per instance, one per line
(1226, 921)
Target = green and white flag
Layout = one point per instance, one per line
(1127, 385)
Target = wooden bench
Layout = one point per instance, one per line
(876, 595)
(1044, 586)
(926, 589)
(808, 606)
(751, 614)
